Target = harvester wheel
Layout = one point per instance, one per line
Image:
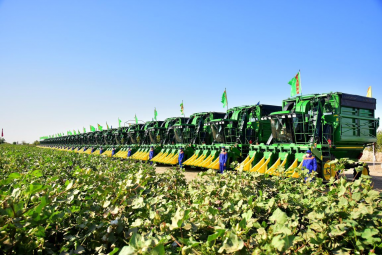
(319, 171)
(365, 171)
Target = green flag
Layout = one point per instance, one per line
(84, 130)
(78, 132)
(182, 108)
(74, 131)
(224, 99)
(99, 127)
(119, 122)
(92, 128)
(136, 119)
(155, 113)
(295, 84)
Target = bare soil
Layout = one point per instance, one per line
(375, 173)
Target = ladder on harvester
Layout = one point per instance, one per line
(312, 125)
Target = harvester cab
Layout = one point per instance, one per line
(170, 143)
(332, 125)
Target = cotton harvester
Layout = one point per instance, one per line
(136, 137)
(186, 135)
(151, 131)
(332, 126)
(240, 127)
(95, 141)
(159, 135)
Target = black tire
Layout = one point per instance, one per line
(319, 170)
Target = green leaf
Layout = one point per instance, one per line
(212, 210)
(279, 216)
(36, 173)
(218, 233)
(32, 189)
(41, 205)
(372, 195)
(247, 215)
(369, 233)
(70, 185)
(127, 250)
(138, 203)
(356, 196)
(179, 218)
(135, 241)
(278, 242)
(13, 176)
(40, 231)
(342, 191)
(114, 251)
(232, 243)
(158, 250)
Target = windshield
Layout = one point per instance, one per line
(154, 138)
(117, 138)
(179, 135)
(170, 136)
(217, 132)
(281, 130)
(133, 139)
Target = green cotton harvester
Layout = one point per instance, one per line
(158, 135)
(240, 127)
(136, 137)
(186, 135)
(333, 126)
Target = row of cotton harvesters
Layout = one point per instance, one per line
(260, 137)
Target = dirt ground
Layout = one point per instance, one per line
(375, 173)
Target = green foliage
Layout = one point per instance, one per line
(379, 141)
(57, 202)
(2, 140)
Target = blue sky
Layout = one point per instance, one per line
(66, 65)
